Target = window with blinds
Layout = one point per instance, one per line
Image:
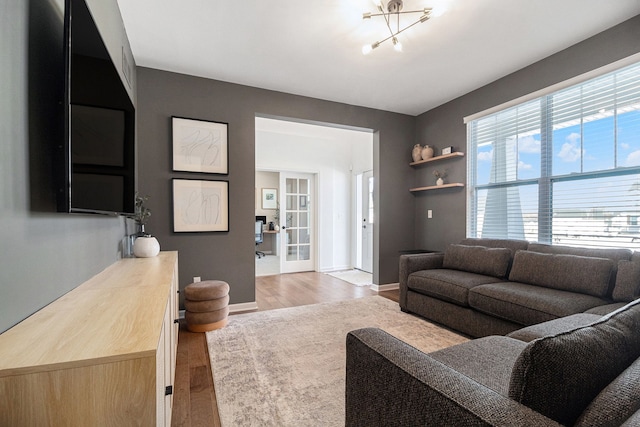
(561, 169)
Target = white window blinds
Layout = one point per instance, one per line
(563, 168)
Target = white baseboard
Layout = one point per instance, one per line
(244, 306)
(334, 269)
(387, 287)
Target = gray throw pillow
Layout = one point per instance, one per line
(560, 375)
(627, 281)
(478, 259)
(587, 275)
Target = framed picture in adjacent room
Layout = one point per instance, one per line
(200, 206)
(200, 146)
(269, 198)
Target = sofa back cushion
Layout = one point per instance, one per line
(564, 272)
(616, 403)
(560, 375)
(511, 244)
(627, 286)
(478, 259)
(612, 253)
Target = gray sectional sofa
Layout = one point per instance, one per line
(487, 287)
(559, 342)
(583, 376)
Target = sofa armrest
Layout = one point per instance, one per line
(412, 263)
(390, 383)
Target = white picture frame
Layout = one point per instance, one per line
(200, 146)
(269, 198)
(200, 206)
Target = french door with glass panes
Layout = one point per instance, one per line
(297, 231)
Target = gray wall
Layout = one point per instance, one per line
(443, 126)
(230, 256)
(43, 254)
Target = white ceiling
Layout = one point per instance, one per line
(313, 47)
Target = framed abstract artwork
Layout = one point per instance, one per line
(200, 206)
(200, 146)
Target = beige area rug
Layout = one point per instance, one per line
(355, 277)
(286, 367)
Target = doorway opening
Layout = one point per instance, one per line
(332, 160)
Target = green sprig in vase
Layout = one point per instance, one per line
(144, 245)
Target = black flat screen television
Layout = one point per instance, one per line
(96, 167)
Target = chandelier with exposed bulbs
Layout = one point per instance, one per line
(392, 21)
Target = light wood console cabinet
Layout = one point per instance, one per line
(103, 354)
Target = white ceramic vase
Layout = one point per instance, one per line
(427, 152)
(439, 181)
(146, 247)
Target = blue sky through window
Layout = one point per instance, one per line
(598, 151)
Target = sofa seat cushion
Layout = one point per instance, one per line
(560, 375)
(487, 360)
(478, 259)
(528, 304)
(573, 273)
(553, 327)
(448, 285)
(602, 310)
(616, 403)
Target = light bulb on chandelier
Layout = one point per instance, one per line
(397, 46)
(394, 7)
(367, 48)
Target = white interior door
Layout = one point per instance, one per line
(367, 221)
(297, 230)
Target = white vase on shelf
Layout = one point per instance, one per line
(146, 247)
(439, 182)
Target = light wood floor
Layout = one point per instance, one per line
(194, 397)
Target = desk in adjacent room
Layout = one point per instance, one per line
(274, 244)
